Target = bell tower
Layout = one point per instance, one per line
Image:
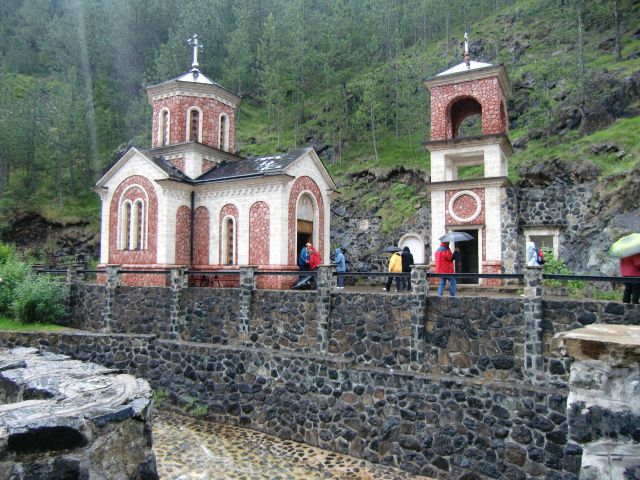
(473, 205)
(191, 113)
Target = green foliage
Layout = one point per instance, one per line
(347, 74)
(13, 273)
(194, 408)
(11, 325)
(160, 396)
(27, 297)
(40, 299)
(556, 266)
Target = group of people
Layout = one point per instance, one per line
(400, 263)
(310, 258)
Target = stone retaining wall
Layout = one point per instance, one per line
(444, 427)
(450, 388)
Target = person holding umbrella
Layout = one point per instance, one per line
(444, 264)
(628, 250)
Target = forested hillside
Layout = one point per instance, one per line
(343, 75)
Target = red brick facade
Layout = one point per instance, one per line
(207, 165)
(464, 207)
(259, 234)
(133, 188)
(178, 107)
(183, 235)
(201, 237)
(452, 103)
(178, 163)
(304, 184)
(229, 210)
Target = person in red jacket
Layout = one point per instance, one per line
(444, 264)
(630, 267)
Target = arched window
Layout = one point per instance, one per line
(163, 128)
(137, 226)
(125, 226)
(194, 125)
(228, 256)
(469, 111)
(132, 225)
(224, 133)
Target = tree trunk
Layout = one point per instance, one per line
(616, 16)
(373, 131)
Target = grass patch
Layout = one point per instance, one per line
(10, 325)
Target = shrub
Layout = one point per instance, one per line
(556, 266)
(12, 272)
(40, 299)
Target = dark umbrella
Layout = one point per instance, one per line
(456, 237)
(391, 249)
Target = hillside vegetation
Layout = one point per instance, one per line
(343, 76)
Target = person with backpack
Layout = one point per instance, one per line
(407, 263)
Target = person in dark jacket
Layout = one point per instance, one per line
(407, 263)
(630, 267)
(444, 264)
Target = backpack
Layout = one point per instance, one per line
(540, 257)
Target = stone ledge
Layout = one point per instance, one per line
(619, 344)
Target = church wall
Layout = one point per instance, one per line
(170, 201)
(211, 110)
(202, 234)
(306, 167)
(487, 91)
(183, 237)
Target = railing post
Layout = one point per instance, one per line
(419, 292)
(533, 352)
(247, 286)
(177, 283)
(323, 305)
(110, 297)
(73, 274)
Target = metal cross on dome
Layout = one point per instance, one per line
(467, 57)
(193, 41)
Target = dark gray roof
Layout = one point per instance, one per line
(252, 166)
(173, 172)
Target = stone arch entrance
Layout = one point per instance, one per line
(415, 244)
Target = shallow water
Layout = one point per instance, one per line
(189, 449)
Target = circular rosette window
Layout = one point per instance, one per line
(465, 206)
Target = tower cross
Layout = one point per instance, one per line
(467, 57)
(193, 41)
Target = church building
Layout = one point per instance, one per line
(190, 201)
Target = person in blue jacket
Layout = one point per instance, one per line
(341, 266)
(303, 258)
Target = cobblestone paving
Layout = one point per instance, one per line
(193, 449)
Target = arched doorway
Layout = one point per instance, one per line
(416, 246)
(305, 218)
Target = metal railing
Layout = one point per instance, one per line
(217, 274)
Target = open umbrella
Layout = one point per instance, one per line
(456, 237)
(626, 246)
(390, 249)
